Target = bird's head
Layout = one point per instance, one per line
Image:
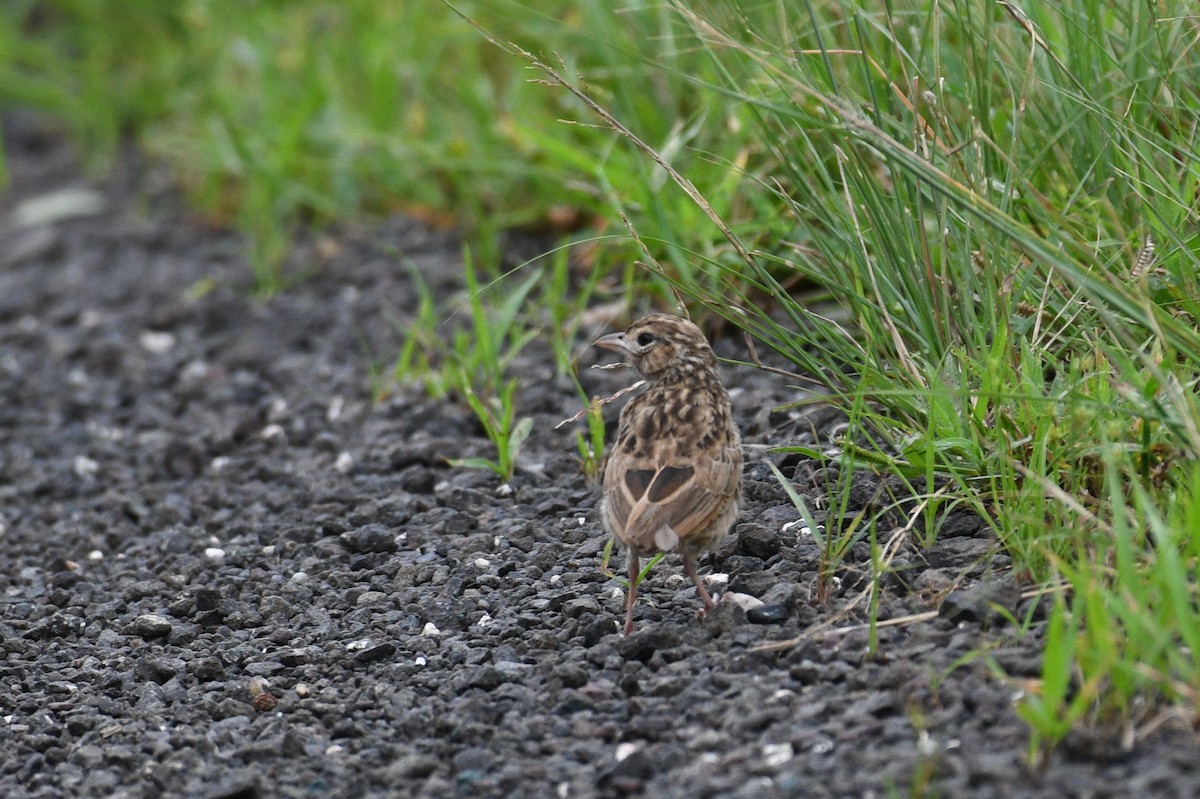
(662, 347)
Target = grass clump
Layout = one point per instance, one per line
(978, 192)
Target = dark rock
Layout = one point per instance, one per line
(208, 669)
(580, 606)
(149, 625)
(755, 584)
(987, 600)
(376, 653)
(207, 599)
(630, 774)
(774, 613)
(642, 644)
(757, 541)
(724, 617)
(959, 524)
(370, 538)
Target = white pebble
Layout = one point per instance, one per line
(269, 549)
(482, 563)
(777, 754)
(299, 577)
(156, 342)
(214, 553)
(218, 463)
(625, 749)
(717, 578)
(84, 466)
(744, 601)
(95, 556)
(430, 629)
(554, 578)
(343, 463)
(420, 660)
(504, 490)
(335, 409)
(193, 371)
(271, 431)
(55, 206)
(484, 621)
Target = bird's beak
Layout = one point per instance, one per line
(614, 342)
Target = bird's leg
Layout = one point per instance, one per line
(631, 597)
(689, 563)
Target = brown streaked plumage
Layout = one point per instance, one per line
(674, 474)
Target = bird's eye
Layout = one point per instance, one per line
(645, 340)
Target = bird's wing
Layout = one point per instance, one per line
(653, 505)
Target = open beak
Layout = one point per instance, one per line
(614, 342)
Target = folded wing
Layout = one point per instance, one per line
(653, 508)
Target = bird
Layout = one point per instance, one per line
(672, 481)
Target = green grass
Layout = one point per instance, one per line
(275, 115)
(939, 207)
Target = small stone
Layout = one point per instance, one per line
(626, 749)
(271, 432)
(208, 669)
(371, 598)
(775, 755)
(84, 467)
(370, 538)
(375, 653)
(580, 606)
(156, 342)
(430, 629)
(631, 773)
(58, 205)
(726, 616)
(415, 766)
(150, 625)
(643, 644)
(744, 601)
(983, 602)
(773, 613)
(265, 702)
(757, 540)
(158, 669)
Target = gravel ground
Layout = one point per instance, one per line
(227, 572)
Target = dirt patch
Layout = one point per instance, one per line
(229, 573)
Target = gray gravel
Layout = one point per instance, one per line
(229, 573)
